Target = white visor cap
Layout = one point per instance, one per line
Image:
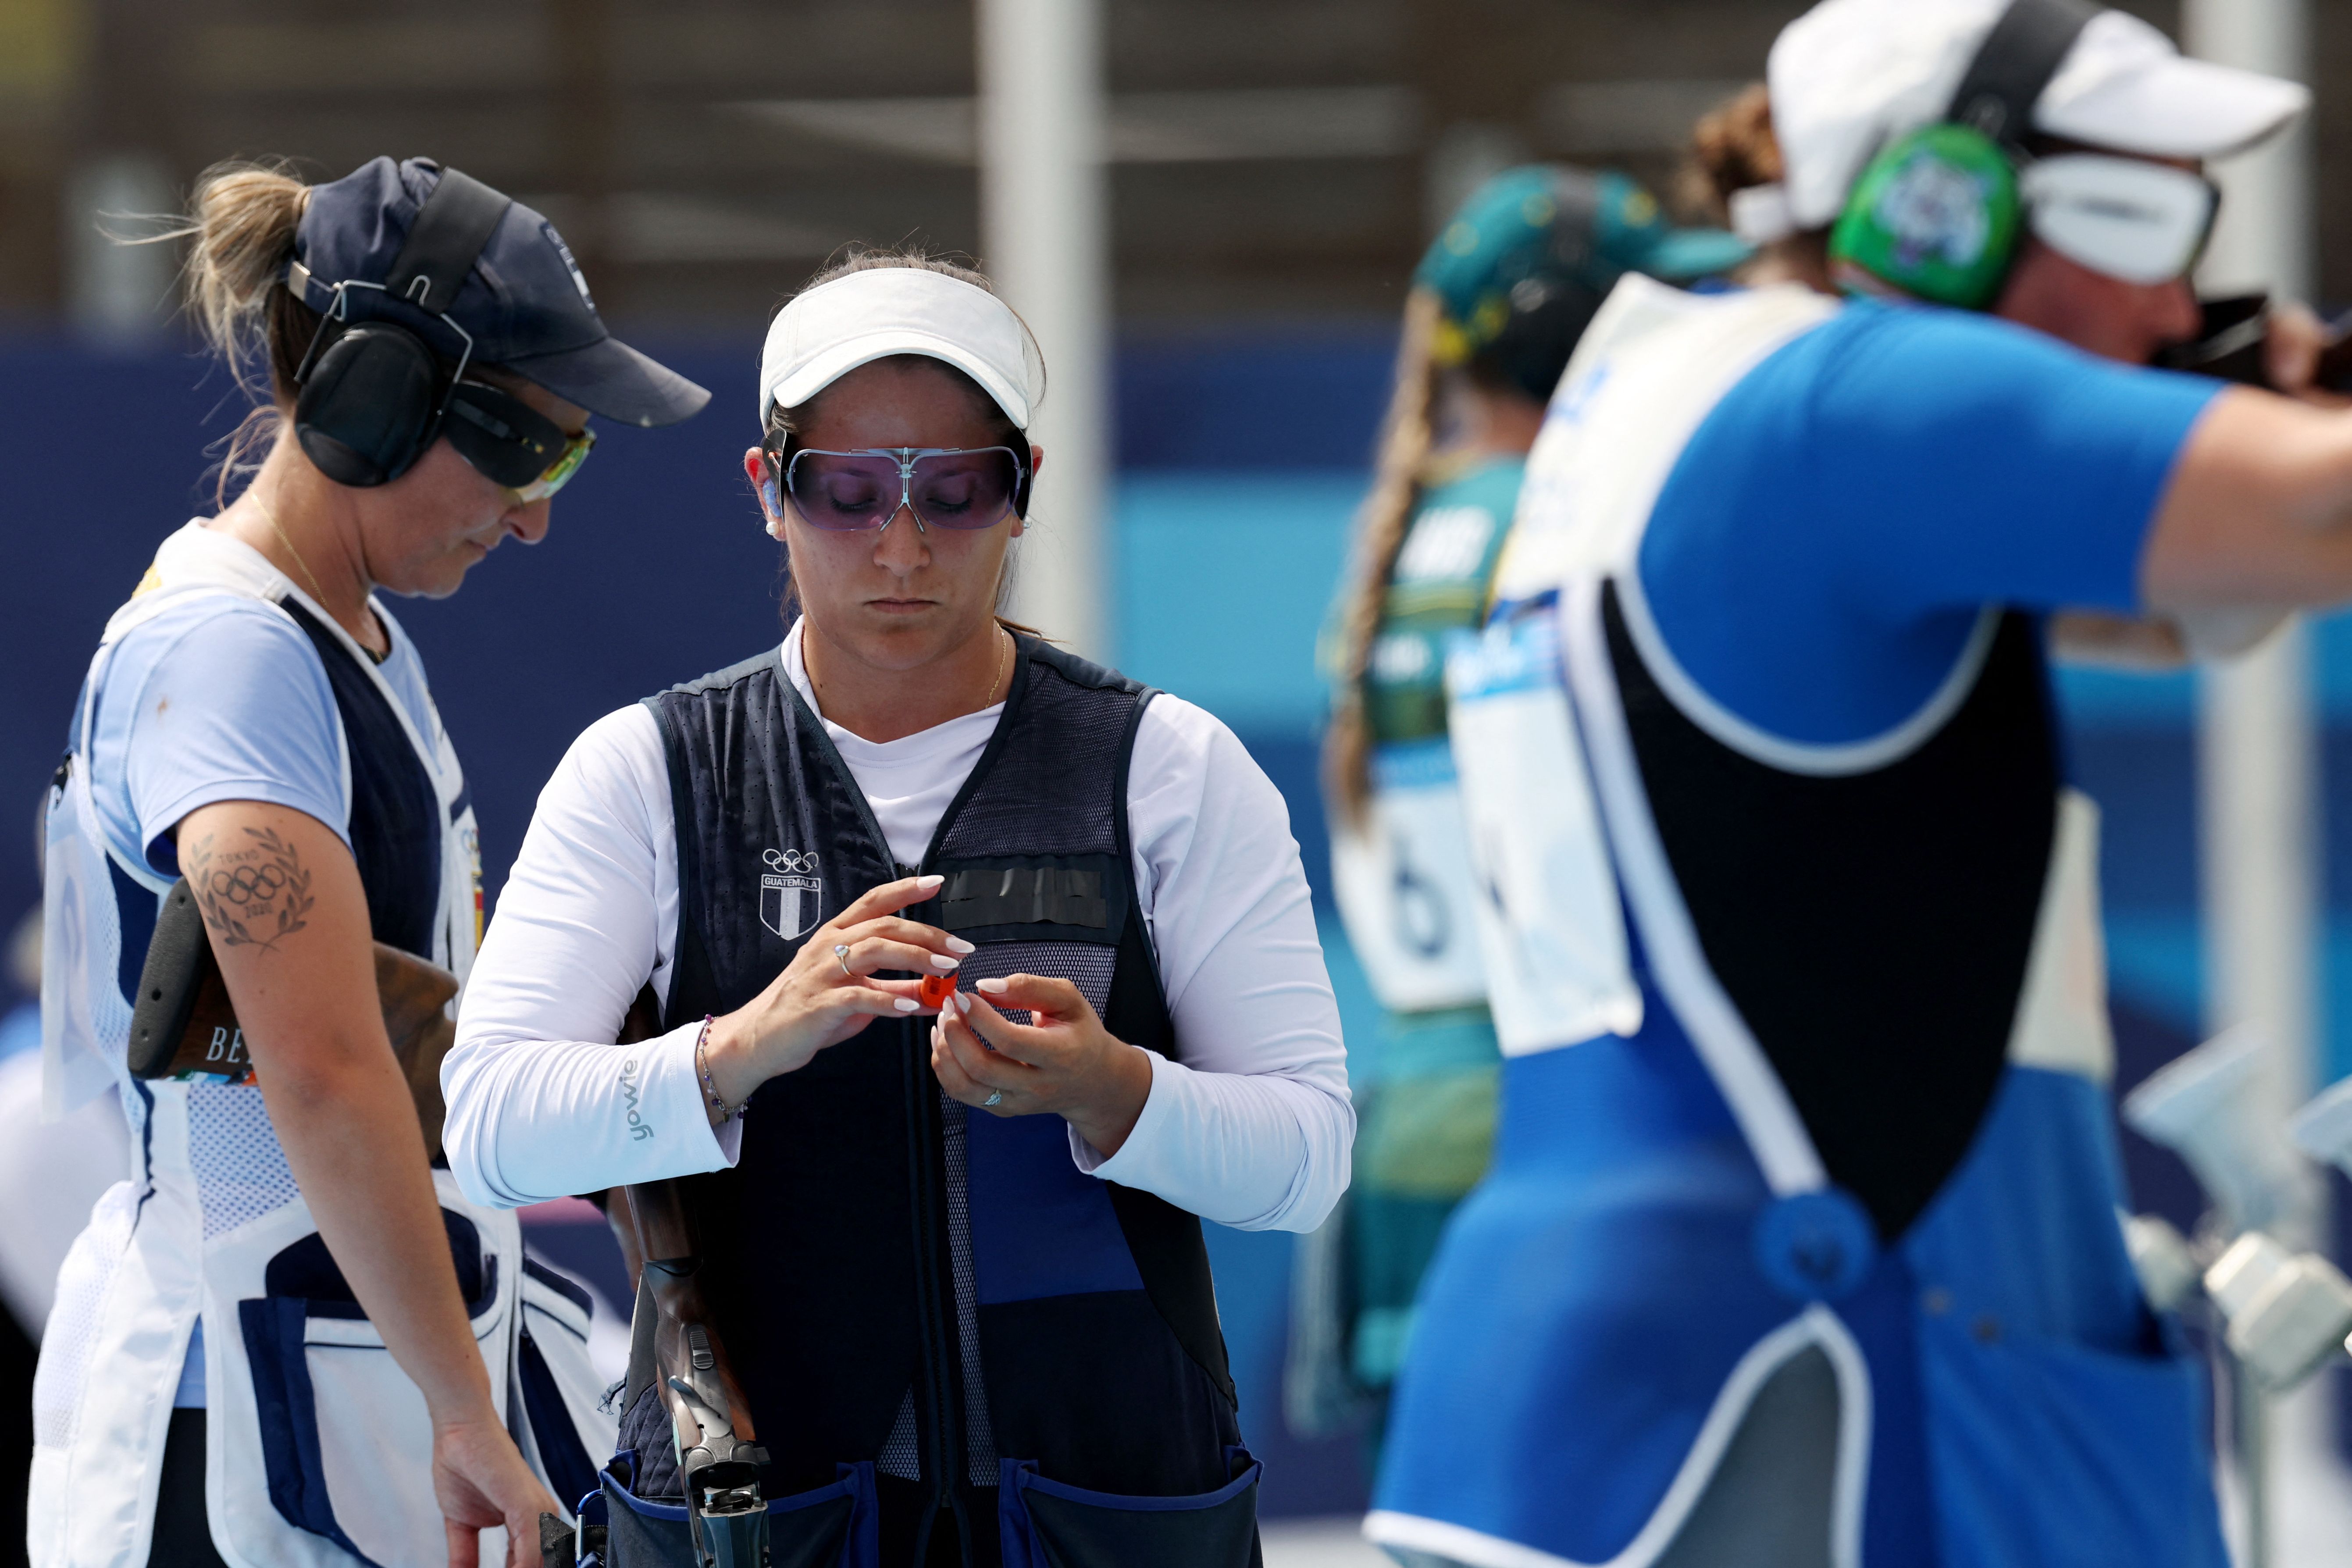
(1850, 76)
(829, 330)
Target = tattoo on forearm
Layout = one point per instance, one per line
(252, 894)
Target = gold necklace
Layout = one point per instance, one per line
(271, 518)
(1003, 661)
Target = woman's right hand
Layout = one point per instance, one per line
(823, 997)
(481, 1482)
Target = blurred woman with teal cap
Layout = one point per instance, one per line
(1496, 307)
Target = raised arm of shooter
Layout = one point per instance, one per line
(2259, 511)
(288, 922)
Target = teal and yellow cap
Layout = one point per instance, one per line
(1552, 220)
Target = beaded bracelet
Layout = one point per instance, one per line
(702, 1065)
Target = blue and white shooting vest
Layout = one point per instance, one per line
(1806, 1046)
(318, 1446)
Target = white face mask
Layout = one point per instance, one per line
(2131, 219)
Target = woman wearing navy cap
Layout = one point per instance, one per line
(288, 1339)
(952, 1252)
(1496, 307)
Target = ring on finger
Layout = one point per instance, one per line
(995, 1096)
(841, 956)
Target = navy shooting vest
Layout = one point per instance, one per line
(396, 824)
(942, 1295)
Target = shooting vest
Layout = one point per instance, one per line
(905, 1287)
(1424, 1084)
(1403, 877)
(1806, 1052)
(318, 1446)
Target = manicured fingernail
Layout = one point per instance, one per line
(905, 1003)
(957, 944)
(942, 960)
(962, 1002)
(927, 883)
(991, 985)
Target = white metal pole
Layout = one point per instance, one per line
(1044, 229)
(2258, 787)
(119, 295)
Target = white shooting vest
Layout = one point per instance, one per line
(1403, 885)
(1401, 875)
(318, 1452)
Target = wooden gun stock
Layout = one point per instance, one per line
(183, 1024)
(675, 1349)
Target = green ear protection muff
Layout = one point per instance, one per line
(1937, 214)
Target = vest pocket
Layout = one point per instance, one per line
(328, 1402)
(2046, 1452)
(1047, 1524)
(556, 1386)
(838, 1526)
(287, 1400)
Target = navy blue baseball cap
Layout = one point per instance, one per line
(524, 303)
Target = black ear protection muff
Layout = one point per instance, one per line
(1937, 213)
(371, 402)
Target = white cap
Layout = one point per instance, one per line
(1850, 76)
(829, 330)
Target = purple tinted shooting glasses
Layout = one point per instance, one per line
(943, 487)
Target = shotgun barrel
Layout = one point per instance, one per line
(675, 1352)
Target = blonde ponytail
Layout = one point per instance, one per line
(241, 224)
(243, 221)
(1398, 480)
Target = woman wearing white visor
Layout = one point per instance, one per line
(1799, 1245)
(953, 1252)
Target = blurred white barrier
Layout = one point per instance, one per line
(1335, 1542)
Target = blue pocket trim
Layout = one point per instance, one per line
(1022, 1475)
(1017, 1538)
(572, 1291)
(570, 1470)
(307, 1269)
(285, 1409)
(862, 1549)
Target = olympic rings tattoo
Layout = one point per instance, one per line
(248, 884)
(253, 891)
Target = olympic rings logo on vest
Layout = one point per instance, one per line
(790, 899)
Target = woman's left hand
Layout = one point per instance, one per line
(1066, 1062)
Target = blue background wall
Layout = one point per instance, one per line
(1242, 458)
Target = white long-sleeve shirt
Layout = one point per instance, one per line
(1252, 1129)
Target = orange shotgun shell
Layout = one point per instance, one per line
(935, 990)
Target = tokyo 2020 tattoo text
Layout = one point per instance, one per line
(252, 896)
